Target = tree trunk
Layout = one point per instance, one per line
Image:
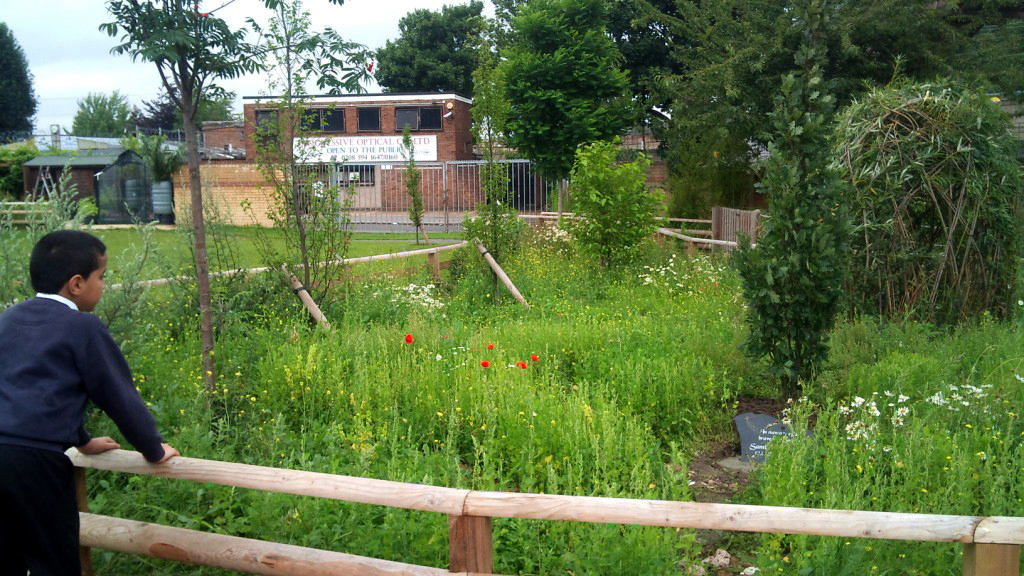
(199, 230)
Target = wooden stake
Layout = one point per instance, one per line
(501, 274)
(470, 547)
(307, 300)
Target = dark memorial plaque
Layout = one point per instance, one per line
(756, 431)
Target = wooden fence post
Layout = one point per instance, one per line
(470, 548)
(82, 495)
(434, 264)
(991, 559)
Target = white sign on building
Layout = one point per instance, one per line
(365, 149)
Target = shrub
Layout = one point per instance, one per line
(12, 186)
(616, 212)
(792, 280)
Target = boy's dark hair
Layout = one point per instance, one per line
(60, 255)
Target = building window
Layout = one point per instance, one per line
(430, 118)
(323, 120)
(333, 120)
(266, 126)
(369, 119)
(426, 118)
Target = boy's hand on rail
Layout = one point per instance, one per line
(98, 445)
(169, 452)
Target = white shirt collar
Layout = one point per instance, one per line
(58, 298)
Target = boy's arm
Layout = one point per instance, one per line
(108, 382)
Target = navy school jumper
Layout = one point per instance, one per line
(53, 359)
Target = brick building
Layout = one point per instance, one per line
(356, 141)
(368, 127)
(225, 135)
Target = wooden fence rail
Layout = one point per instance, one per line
(430, 253)
(24, 213)
(991, 544)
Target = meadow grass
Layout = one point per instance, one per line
(606, 386)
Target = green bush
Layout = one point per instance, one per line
(12, 183)
(615, 212)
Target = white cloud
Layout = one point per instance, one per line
(69, 57)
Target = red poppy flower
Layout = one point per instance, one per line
(408, 338)
(521, 365)
(485, 364)
(490, 346)
(534, 359)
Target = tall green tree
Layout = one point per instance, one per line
(792, 279)
(191, 50)
(728, 58)
(435, 52)
(306, 204)
(643, 47)
(103, 115)
(17, 97)
(496, 223)
(564, 85)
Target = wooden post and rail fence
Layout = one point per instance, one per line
(24, 213)
(433, 262)
(991, 544)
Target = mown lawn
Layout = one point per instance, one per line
(172, 251)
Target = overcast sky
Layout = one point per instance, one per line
(69, 57)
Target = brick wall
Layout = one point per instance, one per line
(229, 183)
(221, 134)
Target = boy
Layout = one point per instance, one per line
(53, 358)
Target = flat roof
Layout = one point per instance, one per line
(105, 159)
(380, 97)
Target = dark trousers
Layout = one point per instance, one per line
(38, 513)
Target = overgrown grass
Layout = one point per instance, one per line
(910, 420)
(635, 369)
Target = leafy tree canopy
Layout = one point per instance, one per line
(103, 115)
(645, 58)
(727, 57)
(161, 114)
(435, 52)
(564, 85)
(156, 114)
(17, 98)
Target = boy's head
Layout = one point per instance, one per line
(72, 264)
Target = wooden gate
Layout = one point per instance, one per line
(726, 223)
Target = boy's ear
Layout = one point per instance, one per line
(74, 284)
